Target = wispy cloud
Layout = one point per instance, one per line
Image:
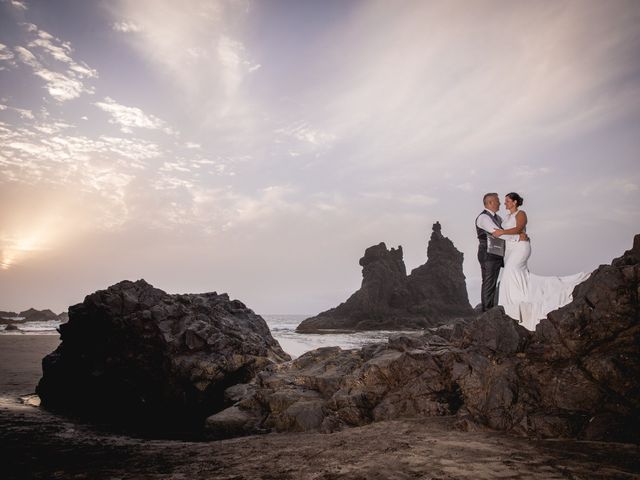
(234, 65)
(194, 43)
(64, 82)
(126, 27)
(132, 117)
(305, 133)
(5, 53)
(448, 86)
(22, 112)
(529, 172)
(19, 5)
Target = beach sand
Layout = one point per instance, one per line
(36, 444)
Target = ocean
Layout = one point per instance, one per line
(282, 328)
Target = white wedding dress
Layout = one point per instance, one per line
(527, 297)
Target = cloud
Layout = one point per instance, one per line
(5, 53)
(19, 5)
(195, 43)
(305, 133)
(42, 152)
(62, 85)
(231, 55)
(22, 112)
(48, 152)
(46, 42)
(529, 172)
(449, 86)
(126, 27)
(27, 57)
(131, 117)
(629, 187)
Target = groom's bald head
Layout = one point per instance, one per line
(491, 201)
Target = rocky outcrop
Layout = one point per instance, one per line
(6, 316)
(438, 287)
(133, 353)
(33, 315)
(11, 321)
(389, 299)
(577, 375)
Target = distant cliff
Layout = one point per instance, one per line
(389, 299)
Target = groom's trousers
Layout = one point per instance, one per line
(490, 266)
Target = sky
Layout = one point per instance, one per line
(258, 148)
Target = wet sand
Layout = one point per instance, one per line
(39, 445)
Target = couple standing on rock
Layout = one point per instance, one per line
(504, 245)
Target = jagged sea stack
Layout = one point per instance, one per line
(439, 286)
(389, 299)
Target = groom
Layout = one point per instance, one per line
(486, 223)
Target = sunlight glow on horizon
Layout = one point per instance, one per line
(17, 250)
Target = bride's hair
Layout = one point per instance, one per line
(516, 198)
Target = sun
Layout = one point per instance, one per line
(18, 248)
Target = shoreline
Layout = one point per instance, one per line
(40, 445)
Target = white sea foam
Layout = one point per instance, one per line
(33, 328)
(283, 329)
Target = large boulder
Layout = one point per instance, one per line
(434, 293)
(133, 353)
(577, 375)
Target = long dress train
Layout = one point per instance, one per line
(527, 297)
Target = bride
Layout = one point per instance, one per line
(527, 297)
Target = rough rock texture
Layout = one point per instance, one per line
(438, 287)
(389, 299)
(577, 375)
(135, 353)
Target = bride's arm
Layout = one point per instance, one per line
(521, 222)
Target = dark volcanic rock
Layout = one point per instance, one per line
(10, 321)
(5, 317)
(133, 353)
(438, 287)
(33, 315)
(577, 375)
(389, 299)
